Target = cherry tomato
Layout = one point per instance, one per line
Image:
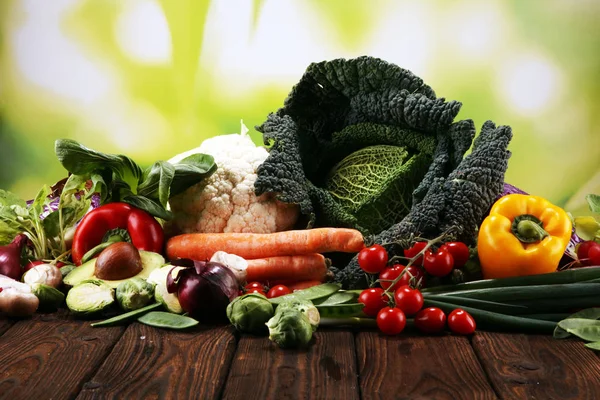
(410, 301)
(254, 285)
(255, 290)
(414, 250)
(594, 255)
(278, 290)
(373, 259)
(583, 252)
(391, 321)
(241, 292)
(461, 322)
(430, 320)
(390, 274)
(374, 300)
(439, 264)
(459, 251)
(413, 277)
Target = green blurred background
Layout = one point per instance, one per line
(152, 78)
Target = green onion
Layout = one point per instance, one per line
(492, 321)
(486, 305)
(517, 293)
(574, 275)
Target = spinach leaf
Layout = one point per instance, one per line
(157, 182)
(148, 205)
(80, 160)
(192, 170)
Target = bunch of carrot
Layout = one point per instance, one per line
(292, 257)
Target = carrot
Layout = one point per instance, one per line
(201, 246)
(303, 267)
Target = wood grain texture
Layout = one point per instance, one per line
(50, 355)
(326, 370)
(419, 367)
(5, 324)
(152, 363)
(538, 367)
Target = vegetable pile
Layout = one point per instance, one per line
(362, 210)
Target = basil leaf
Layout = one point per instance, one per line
(150, 206)
(192, 170)
(157, 182)
(594, 202)
(81, 160)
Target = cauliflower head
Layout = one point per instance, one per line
(226, 201)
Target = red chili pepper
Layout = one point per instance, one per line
(116, 222)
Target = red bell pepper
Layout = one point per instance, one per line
(116, 222)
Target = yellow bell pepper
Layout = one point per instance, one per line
(522, 235)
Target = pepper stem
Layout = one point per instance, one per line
(528, 229)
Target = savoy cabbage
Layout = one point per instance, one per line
(338, 109)
(365, 144)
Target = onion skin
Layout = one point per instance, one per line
(10, 258)
(204, 289)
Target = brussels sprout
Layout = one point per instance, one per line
(89, 297)
(304, 306)
(134, 293)
(290, 328)
(249, 313)
(168, 300)
(50, 298)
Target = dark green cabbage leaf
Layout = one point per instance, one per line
(359, 142)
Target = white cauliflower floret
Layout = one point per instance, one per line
(225, 202)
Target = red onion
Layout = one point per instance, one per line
(204, 288)
(10, 257)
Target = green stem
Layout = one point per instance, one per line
(528, 229)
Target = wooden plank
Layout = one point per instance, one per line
(150, 363)
(50, 355)
(5, 324)
(538, 367)
(326, 370)
(426, 367)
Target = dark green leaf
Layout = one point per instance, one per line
(594, 202)
(151, 207)
(157, 182)
(81, 160)
(52, 224)
(192, 170)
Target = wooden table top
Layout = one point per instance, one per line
(55, 356)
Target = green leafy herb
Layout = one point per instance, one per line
(594, 202)
(119, 178)
(47, 220)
